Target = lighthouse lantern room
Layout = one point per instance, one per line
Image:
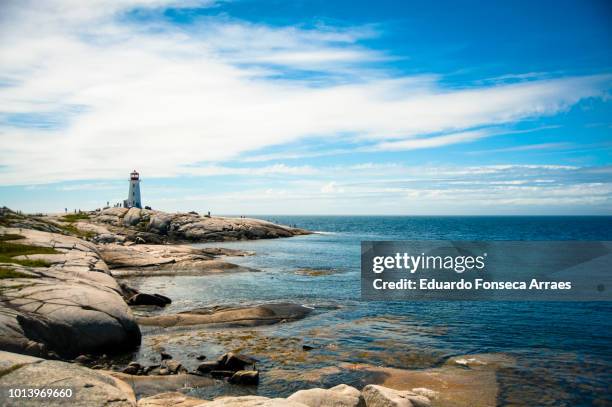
(133, 200)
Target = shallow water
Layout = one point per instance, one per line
(563, 350)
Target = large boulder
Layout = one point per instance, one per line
(72, 307)
(132, 217)
(160, 222)
(89, 387)
(338, 396)
(379, 396)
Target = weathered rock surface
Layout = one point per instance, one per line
(264, 314)
(70, 308)
(451, 384)
(148, 260)
(170, 399)
(188, 226)
(379, 396)
(252, 401)
(338, 396)
(89, 387)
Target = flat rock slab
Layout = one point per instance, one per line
(143, 260)
(146, 386)
(265, 314)
(170, 399)
(89, 387)
(452, 384)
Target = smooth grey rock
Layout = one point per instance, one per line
(338, 396)
(73, 307)
(91, 388)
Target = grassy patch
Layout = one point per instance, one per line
(10, 236)
(73, 230)
(73, 217)
(4, 372)
(9, 250)
(6, 272)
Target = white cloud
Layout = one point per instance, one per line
(163, 99)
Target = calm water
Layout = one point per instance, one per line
(563, 351)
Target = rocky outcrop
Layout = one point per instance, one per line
(379, 396)
(71, 307)
(463, 381)
(148, 260)
(89, 387)
(149, 224)
(264, 314)
(338, 396)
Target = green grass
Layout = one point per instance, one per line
(10, 236)
(73, 217)
(73, 230)
(8, 370)
(9, 250)
(6, 272)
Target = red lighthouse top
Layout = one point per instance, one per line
(134, 175)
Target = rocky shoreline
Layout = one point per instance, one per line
(64, 313)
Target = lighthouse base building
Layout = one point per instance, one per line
(133, 200)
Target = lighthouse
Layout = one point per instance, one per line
(133, 200)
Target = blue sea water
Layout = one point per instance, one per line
(563, 351)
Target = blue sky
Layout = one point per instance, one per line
(308, 107)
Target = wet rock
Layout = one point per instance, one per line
(174, 367)
(149, 299)
(338, 396)
(222, 373)
(201, 357)
(379, 396)
(246, 377)
(207, 367)
(165, 356)
(233, 362)
(133, 368)
(148, 369)
(92, 388)
(83, 360)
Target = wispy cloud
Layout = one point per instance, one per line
(163, 98)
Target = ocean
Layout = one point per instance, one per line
(562, 351)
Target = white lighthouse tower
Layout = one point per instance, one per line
(133, 200)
